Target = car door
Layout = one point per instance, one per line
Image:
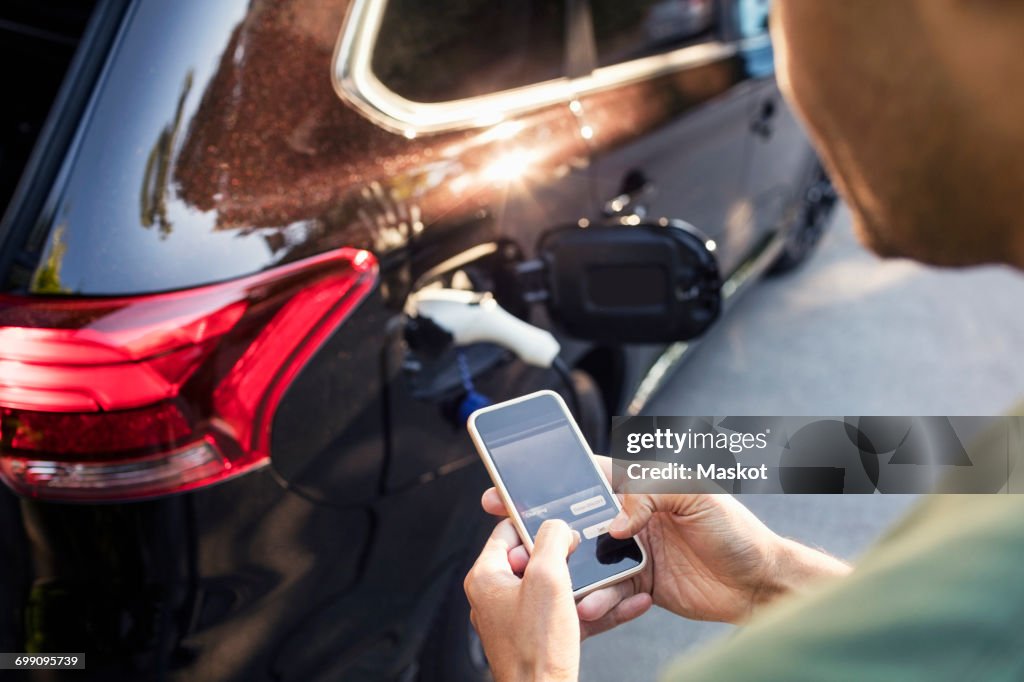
(667, 113)
(478, 89)
(780, 158)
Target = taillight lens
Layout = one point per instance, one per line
(127, 398)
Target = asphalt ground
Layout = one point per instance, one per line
(847, 334)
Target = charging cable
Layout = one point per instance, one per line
(474, 317)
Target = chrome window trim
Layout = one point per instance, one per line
(355, 82)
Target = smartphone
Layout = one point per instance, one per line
(543, 469)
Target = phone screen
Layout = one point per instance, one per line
(548, 473)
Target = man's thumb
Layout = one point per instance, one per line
(637, 510)
(555, 538)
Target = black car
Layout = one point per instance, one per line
(231, 451)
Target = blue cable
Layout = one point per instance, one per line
(473, 400)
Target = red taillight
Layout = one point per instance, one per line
(125, 398)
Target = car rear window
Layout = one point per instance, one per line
(452, 49)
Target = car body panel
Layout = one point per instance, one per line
(235, 157)
(685, 134)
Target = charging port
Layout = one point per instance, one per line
(622, 282)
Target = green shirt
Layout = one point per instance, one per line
(941, 597)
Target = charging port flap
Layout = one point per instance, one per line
(654, 282)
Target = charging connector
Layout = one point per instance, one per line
(474, 317)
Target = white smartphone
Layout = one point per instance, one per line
(543, 469)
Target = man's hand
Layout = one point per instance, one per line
(528, 625)
(709, 558)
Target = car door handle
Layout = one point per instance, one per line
(762, 123)
(629, 203)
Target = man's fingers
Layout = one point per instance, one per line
(518, 557)
(637, 510)
(492, 571)
(555, 540)
(599, 603)
(548, 569)
(625, 611)
(492, 504)
(495, 552)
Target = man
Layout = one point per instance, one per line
(917, 107)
